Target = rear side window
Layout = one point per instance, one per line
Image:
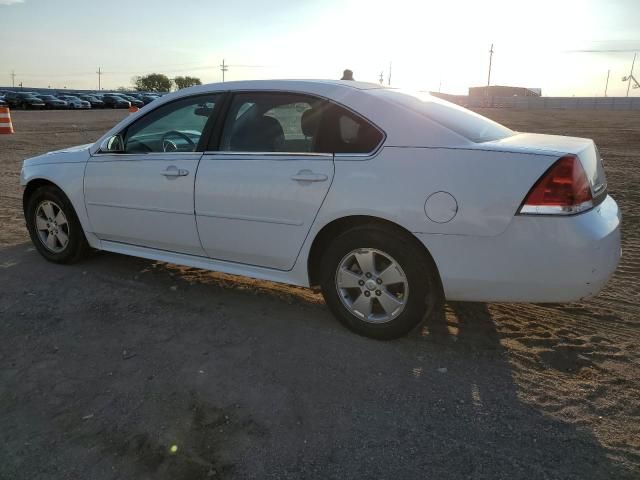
(273, 122)
(351, 133)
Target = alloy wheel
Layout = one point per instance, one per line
(52, 226)
(372, 285)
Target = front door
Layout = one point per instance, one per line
(143, 194)
(258, 195)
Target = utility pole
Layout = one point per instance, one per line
(490, 64)
(606, 87)
(381, 78)
(13, 79)
(99, 72)
(389, 79)
(631, 74)
(223, 68)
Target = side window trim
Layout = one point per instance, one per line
(215, 134)
(268, 154)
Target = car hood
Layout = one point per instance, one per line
(77, 154)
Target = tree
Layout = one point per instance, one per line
(184, 82)
(154, 82)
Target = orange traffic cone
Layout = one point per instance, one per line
(5, 121)
(133, 109)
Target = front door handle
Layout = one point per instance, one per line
(173, 171)
(309, 176)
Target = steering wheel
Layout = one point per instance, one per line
(170, 146)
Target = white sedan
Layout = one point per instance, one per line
(389, 201)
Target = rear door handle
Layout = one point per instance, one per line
(173, 171)
(309, 176)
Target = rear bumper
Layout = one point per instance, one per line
(537, 259)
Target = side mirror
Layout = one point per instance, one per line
(113, 144)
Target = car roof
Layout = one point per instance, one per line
(287, 83)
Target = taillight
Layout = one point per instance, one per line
(563, 190)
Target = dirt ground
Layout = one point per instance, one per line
(107, 364)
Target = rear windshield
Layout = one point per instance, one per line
(460, 120)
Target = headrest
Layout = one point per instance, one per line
(263, 134)
(309, 122)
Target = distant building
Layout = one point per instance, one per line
(501, 91)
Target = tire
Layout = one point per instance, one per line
(417, 295)
(76, 246)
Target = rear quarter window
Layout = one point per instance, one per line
(351, 133)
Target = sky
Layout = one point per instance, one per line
(564, 47)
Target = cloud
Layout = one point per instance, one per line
(10, 2)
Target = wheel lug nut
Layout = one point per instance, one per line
(368, 275)
(378, 292)
(378, 281)
(361, 282)
(367, 294)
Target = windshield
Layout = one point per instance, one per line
(464, 122)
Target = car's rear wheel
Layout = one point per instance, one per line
(54, 227)
(379, 281)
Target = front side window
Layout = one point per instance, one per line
(175, 127)
(273, 122)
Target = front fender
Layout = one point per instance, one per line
(68, 177)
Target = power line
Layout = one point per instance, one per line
(598, 50)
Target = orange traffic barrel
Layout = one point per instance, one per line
(5, 121)
(133, 109)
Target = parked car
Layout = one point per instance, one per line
(132, 100)
(2, 101)
(23, 100)
(115, 101)
(389, 201)
(51, 102)
(95, 102)
(147, 99)
(74, 102)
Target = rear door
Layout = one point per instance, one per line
(257, 194)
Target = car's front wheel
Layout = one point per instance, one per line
(54, 227)
(379, 281)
